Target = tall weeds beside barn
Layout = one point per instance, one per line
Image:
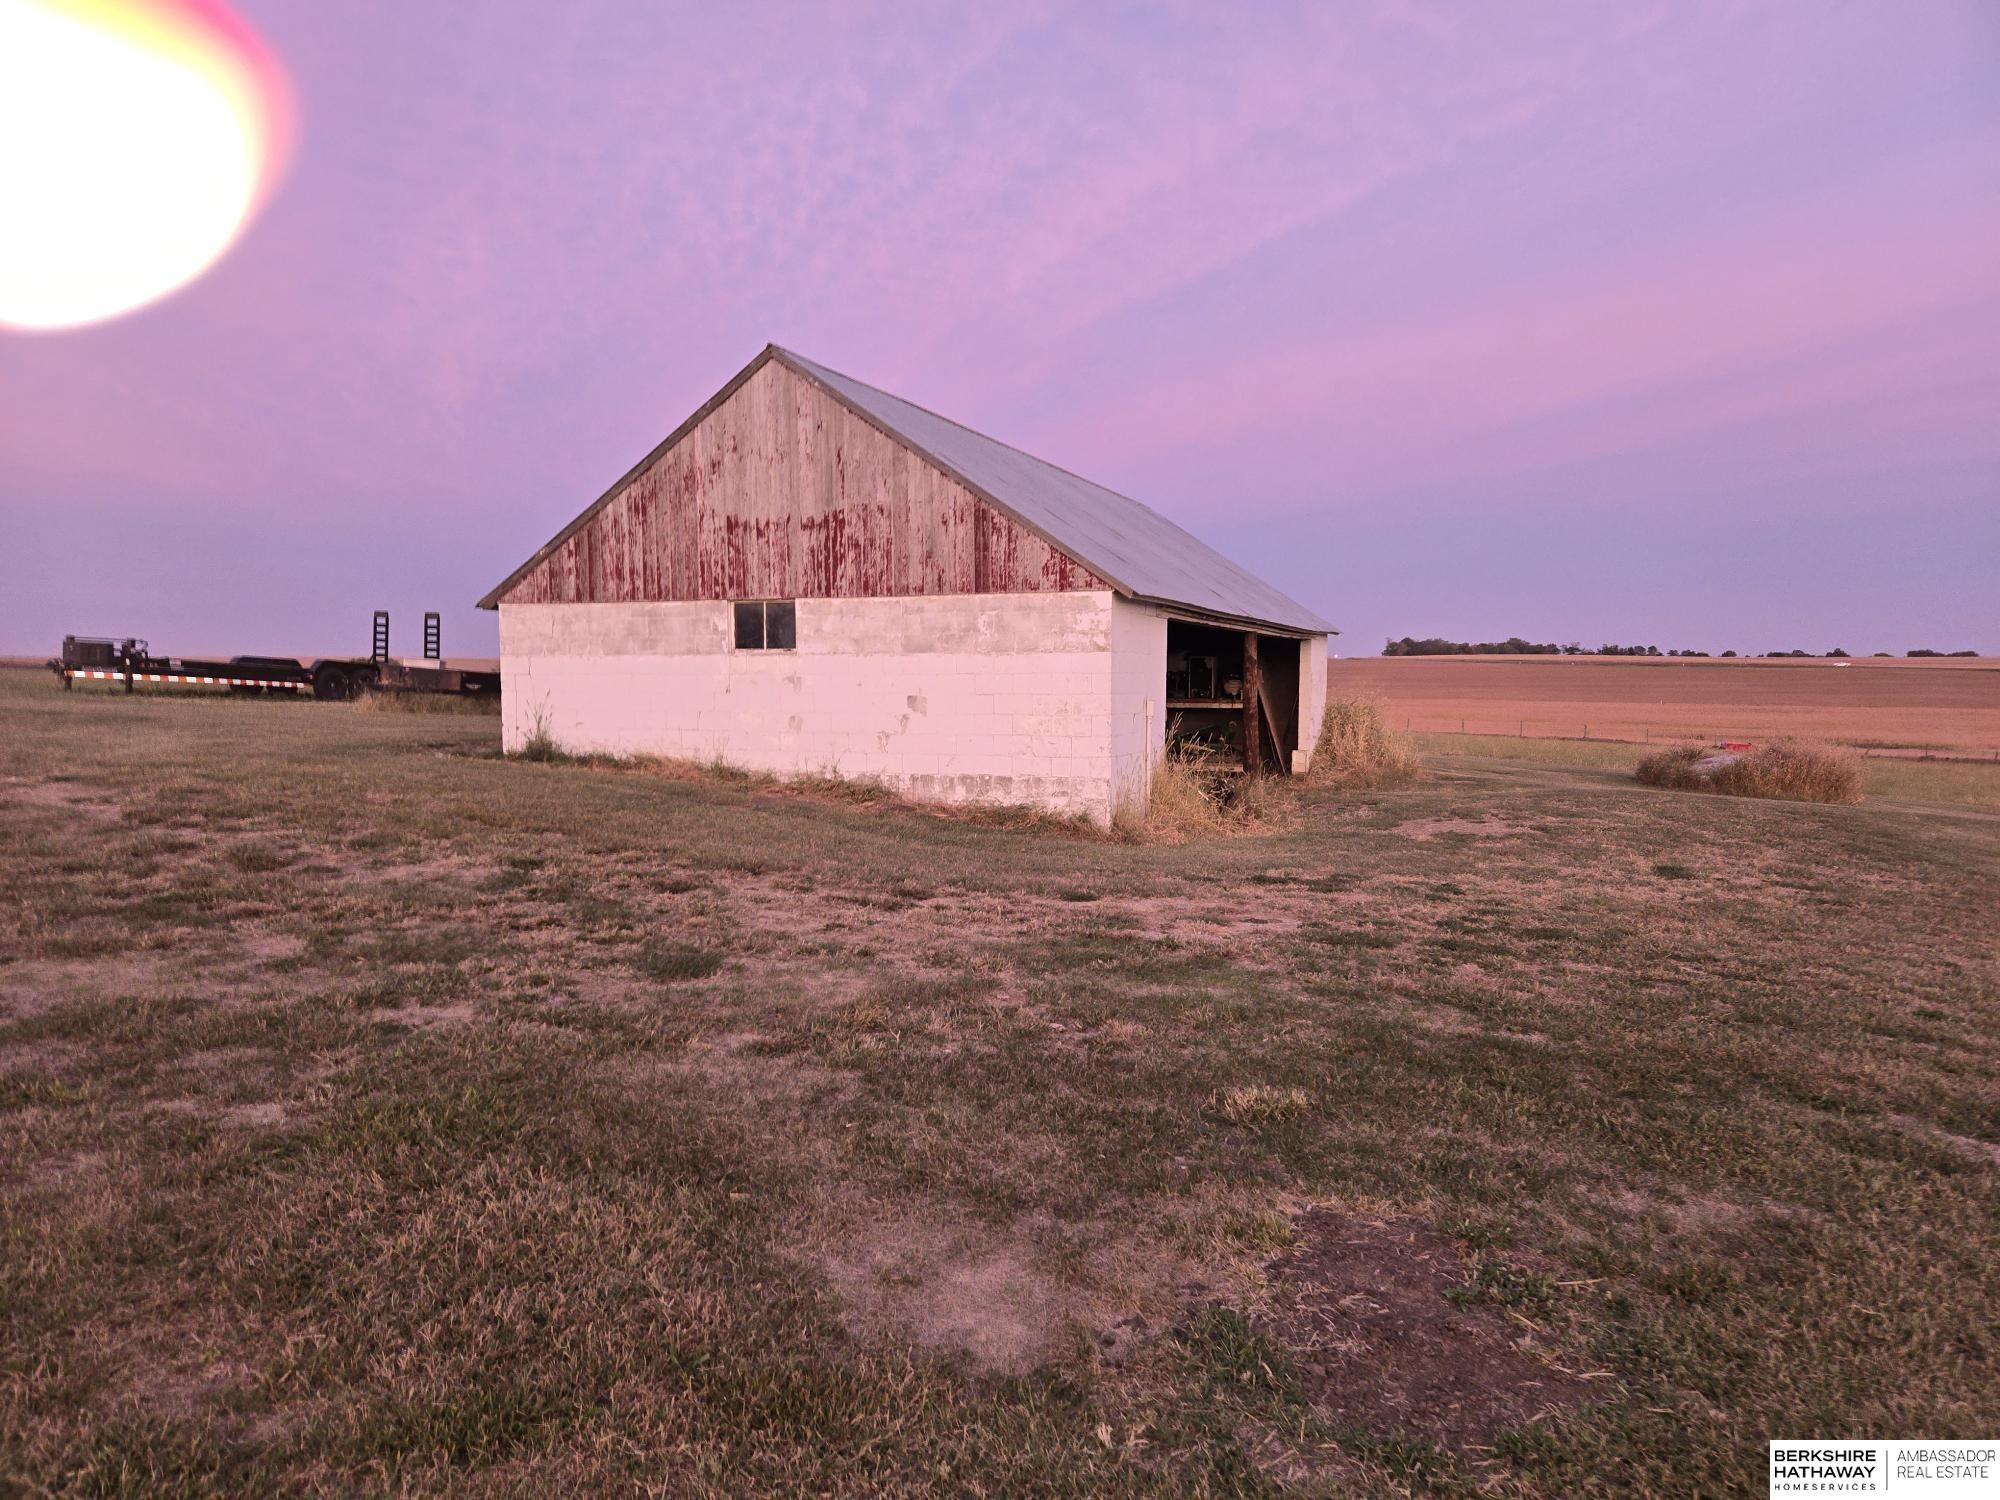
(1358, 750)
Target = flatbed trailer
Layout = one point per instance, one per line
(330, 678)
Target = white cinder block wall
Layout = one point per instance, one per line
(1048, 699)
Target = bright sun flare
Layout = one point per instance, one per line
(137, 139)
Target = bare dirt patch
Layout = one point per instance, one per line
(1971, 1148)
(63, 1170)
(263, 1114)
(1361, 1304)
(951, 1290)
(421, 1016)
(42, 1057)
(59, 796)
(731, 1065)
(272, 947)
(1695, 1215)
(1207, 919)
(1423, 830)
(36, 986)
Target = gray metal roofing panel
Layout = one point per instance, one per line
(1129, 545)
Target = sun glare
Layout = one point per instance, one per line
(137, 139)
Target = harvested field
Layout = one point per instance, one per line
(380, 1115)
(1949, 707)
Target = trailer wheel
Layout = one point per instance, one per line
(333, 685)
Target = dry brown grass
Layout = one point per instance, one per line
(1674, 768)
(480, 1127)
(1964, 783)
(1256, 1104)
(1197, 797)
(823, 787)
(1357, 748)
(1188, 802)
(428, 703)
(1786, 771)
(1200, 796)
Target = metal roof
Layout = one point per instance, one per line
(1135, 549)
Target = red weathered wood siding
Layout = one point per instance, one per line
(783, 493)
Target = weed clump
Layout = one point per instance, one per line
(1673, 769)
(1189, 799)
(1260, 1104)
(1199, 793)
(1358, 749)
(541, 747)
(1503, 1285)
(541, 744)
(668, 962)
(1788, 771)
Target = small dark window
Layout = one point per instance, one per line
(767, 626)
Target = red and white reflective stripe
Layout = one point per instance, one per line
(177, 677)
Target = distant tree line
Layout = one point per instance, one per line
(1515, 646)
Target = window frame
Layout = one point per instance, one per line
(763, 617)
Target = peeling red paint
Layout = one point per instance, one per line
(781, 492)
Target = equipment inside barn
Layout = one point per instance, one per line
(1232, 694)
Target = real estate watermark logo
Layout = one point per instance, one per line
(1927, 1470)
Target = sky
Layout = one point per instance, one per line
(1674, 323)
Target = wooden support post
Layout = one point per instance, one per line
(1253, 716)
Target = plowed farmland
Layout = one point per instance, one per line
(1915, 707)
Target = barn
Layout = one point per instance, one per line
(811, 576)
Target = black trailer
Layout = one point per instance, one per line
(334, 678)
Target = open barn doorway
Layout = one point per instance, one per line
(1233, 696)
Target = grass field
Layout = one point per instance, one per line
(380, 1115)
(1944, 707)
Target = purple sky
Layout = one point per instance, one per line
(1675, 323)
